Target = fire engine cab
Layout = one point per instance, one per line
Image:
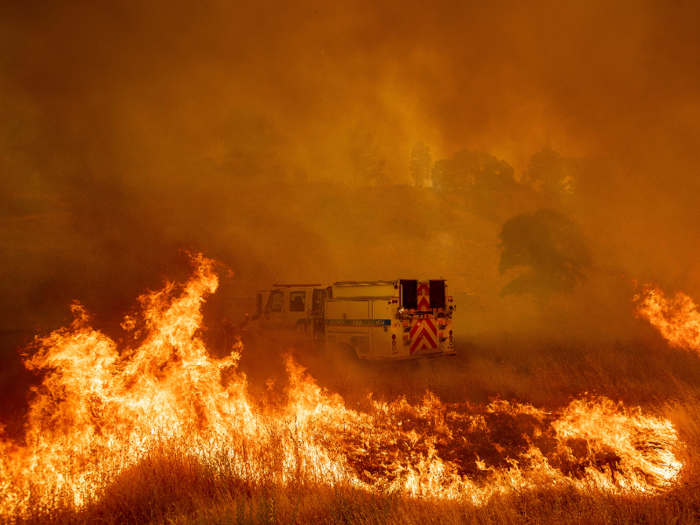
(384, 320)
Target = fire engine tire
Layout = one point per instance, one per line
(345, 352)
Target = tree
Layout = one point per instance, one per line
(551, 245)
(552, 175)
(481, 179)
(421, 162)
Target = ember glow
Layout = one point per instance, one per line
(677, 319)
(101, 411)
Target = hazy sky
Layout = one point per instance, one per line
(147, 102)
(141, 80)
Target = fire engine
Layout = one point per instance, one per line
(382, 320)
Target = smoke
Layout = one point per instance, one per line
(131, 130)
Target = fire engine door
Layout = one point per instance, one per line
(381, 327)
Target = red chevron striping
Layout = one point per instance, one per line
(420, 323)
(423, 335)
(423, 343)
(423, 297)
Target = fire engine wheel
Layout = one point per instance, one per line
(345, 352)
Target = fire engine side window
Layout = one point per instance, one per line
(437, 294)
(409, 294)
(296, 301)
(274, 304)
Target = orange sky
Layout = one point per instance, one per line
(152, 78)
(145, 101)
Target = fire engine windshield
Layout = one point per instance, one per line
(274, 303)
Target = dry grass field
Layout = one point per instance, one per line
(508, 431)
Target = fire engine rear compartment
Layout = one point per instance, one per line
(365, 324)
(390, 320)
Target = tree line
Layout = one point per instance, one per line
(537, 230)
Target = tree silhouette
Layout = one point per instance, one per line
(551, 245)
(482, 180)
(552, 175)
(421, 162)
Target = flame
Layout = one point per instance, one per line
(102, 411)
(676, 319)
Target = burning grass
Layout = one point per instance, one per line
(677, 319)
(159, 431)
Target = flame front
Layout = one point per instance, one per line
(101, 412)
(677, 319)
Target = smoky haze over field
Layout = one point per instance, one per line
(277, 138)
